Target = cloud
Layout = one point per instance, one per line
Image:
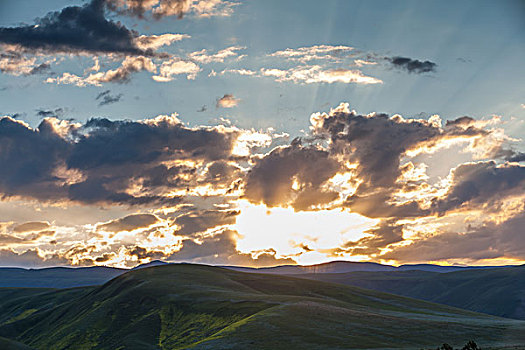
(316, 52)
(487, 241)
(381, 236)
(31, 226)
(106, 98)
(153, 42)
(16, 64)
(105, 161)
(202, 220)
(476, 184)
(202, 56)
(165, 8)
(412, 65)
(378, 141)
(45, 113)
(129, 223)
(239, 72)
(122, 74)
(176, 66)
(227, 101)
(317, 74)
(221, 249)
(292, 175)
(74, 29)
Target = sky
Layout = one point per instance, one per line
(261, 133)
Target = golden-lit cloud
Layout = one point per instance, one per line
(356, 187)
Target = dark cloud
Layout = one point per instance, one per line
(476, 184)
(106, 98)
(412, 65)
(74, 29)
(200, 221)
(376, 143)
(516, 157)
(142, 253)
(29, 158)
(46, 113)
(292, 175)
(129, 223)
(99, 161)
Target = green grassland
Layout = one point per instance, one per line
(202, 307)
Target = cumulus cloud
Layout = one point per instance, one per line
(193, 183)
(378, 141)
(75, 29)
(227, 101)
(475, 184)
(107, 161)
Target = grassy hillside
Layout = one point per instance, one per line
(7, 344)
(203, 307)
(499, 292)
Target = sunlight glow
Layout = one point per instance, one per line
(301, 235)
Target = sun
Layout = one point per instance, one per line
(308, 237)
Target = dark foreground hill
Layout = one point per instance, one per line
(499, 292)
(203, 307)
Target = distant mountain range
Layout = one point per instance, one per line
(347, 266)
(181, 306)
(65, 277)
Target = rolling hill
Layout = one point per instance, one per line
(202, 307)
(499, 292)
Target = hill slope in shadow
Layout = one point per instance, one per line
(203, 307)
(499, 292)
